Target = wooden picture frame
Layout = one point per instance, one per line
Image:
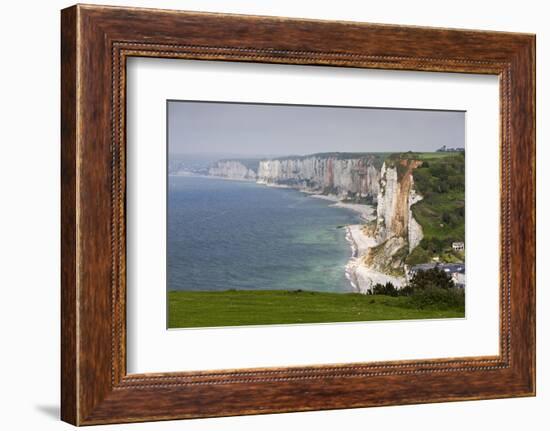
(95, 43)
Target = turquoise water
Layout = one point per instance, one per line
(241, 235)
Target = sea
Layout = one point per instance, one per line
(225, 234)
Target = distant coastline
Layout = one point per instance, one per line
(212, 177)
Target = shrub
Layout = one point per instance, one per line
(431, 278)
(437, 297)
(385, 289)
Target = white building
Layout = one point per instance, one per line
(458, 246)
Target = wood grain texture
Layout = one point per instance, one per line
(96, 41)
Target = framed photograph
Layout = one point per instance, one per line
(319, 229)
(266, 215)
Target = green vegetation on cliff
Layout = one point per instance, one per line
(263, 307)
(440, 180)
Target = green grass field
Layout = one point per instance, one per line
(245, 307)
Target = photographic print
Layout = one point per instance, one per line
(294, 214)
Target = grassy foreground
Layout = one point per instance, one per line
(245, 307)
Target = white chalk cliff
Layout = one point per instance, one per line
(232, 169)
(396, 232)
(329, 174)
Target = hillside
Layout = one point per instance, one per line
(441, 213)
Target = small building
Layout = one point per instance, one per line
(445, 149)
(458, 246)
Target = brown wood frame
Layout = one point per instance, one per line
(95, 43)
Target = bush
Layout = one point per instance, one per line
(430, 288)
(431, 278)
(385, 289)
(437, 297)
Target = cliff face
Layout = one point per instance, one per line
(232, 169)
(396, 232)
(344, 177)
(415, 230)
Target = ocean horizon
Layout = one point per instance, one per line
(225, 234)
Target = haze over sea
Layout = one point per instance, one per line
(241, 235)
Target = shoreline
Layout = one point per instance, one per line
(213, 177)
(364, 210)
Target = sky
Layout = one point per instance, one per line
(249, 130)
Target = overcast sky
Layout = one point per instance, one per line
(261, 129)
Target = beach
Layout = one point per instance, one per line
(366, 211)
